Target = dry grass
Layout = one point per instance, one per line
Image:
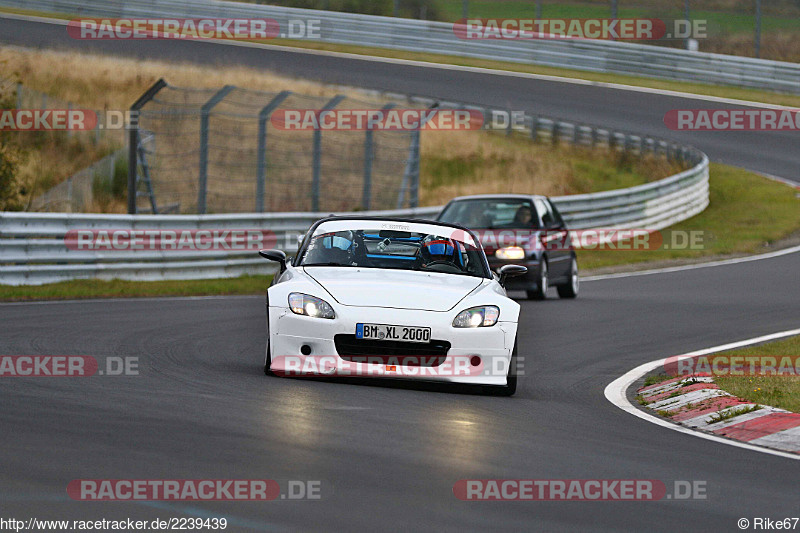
(453, 163)
(109, 82)
(457, 164)
(777, 45)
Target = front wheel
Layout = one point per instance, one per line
(540, 292)
(570, 289)
(268, 361)
(268, 352)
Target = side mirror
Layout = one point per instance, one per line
(275, 255)
(511, 271)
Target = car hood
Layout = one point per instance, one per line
(403, 289)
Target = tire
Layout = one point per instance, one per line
(268, 362)
(511, 380)
(540, 292)
(570, 289)
(268, 353)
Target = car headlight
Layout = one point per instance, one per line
(303, 304)
(477, 317)
(511, 252)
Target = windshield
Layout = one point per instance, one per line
(401, 250)
(492, 213)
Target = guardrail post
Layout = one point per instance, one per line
(555, 132)
(534, 127)
(333, 102)
(133, 141)
(261, 172)
(369, 156)
(202, 178)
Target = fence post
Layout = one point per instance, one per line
(413, 195)
(202, 178)
(366, 195)
(411, 174)
(333, 102)
(133, 141)
(261, 176)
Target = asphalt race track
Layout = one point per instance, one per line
(388, 456)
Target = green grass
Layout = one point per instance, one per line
(695, 88)
(92, 288)
(747, 214)
(727, 414)
(776, 391)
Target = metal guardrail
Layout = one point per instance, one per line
(33, 249)
(439, 37)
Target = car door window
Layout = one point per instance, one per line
(546, 214)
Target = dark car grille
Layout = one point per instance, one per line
(431, 353)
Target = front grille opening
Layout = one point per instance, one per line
(429, 354)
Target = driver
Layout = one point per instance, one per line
(524, 216)
(439, 250)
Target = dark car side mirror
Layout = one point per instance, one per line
(276, 255)
(511, 271)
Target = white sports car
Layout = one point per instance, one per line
(392, 298)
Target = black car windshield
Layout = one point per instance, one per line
(400, 250)
(491, 213)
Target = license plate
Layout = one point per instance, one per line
(385, 332)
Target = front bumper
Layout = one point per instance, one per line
(302, 345)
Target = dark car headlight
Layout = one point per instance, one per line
(510, 253)
(304, 304)
(477, 317)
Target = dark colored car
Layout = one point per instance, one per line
(521, 229)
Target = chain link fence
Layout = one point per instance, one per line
(219, 151)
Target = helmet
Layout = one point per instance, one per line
(439, 249)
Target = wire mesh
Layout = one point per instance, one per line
(176, 156)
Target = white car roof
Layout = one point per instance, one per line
(372, 224)
(498, 197)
